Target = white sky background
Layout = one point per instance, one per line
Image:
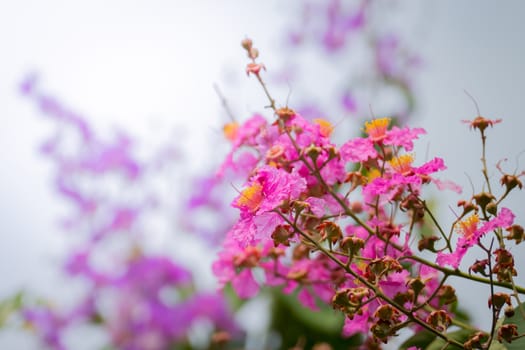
(150, 66)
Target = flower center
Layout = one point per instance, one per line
(325, 127)
(376, 129)
(251, 197)
(402, 164)
(469, 226)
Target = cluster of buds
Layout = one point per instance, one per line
(253, 54)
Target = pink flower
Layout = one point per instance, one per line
(233, 265)
(432, 166)
(268, 189)
(358, 150)
(470, 234)
(451, 259)
(403, 137)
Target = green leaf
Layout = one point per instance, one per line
(460, 336)
(292, 321)
(420, 340)
(519, 320)
(325, 319)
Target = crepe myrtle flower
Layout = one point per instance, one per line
(470, 231)
(267, 190)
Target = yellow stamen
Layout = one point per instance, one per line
(377, 128)
(230, 130)
(373, 174)
(468, 226)
(325, 126)
(251, 197)
(402, 164)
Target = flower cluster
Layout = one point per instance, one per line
(336, 224)
(140, 297)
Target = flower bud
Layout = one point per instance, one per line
(467, 207)
(475, 341)
(313, 152)
(511, 181)
(439, 320)
(385, 312)
(282, 235)
(516, 233)
(480, 267)
(330, 231)
(481, 123)
(507, 332)
(446, 295)
(492, 208)
(247, 43)
(498, 300)
(416, 285)
(509, 311)
(382, 330)
(483, 198)
(427, 243)
(352, 244)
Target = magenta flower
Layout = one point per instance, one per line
(358, 150)
(470, 232)
(268, 188)
(403, 137)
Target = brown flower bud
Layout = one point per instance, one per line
(382, 330)
(475, 341)
(427, 243)
(313, 152)
(446, 295)
(507, 332)
(439, 320)
(516, 233)
(480, 266)
(467, 206)
(509, 311)
(492, 208)
(511, 181)
(247, 43)
(352, 244)
(483, 198)
(285, 113)
(481, 123)
(416, 285)
(498, 300)
(282, 235)
(330, 231)
(386, 313)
